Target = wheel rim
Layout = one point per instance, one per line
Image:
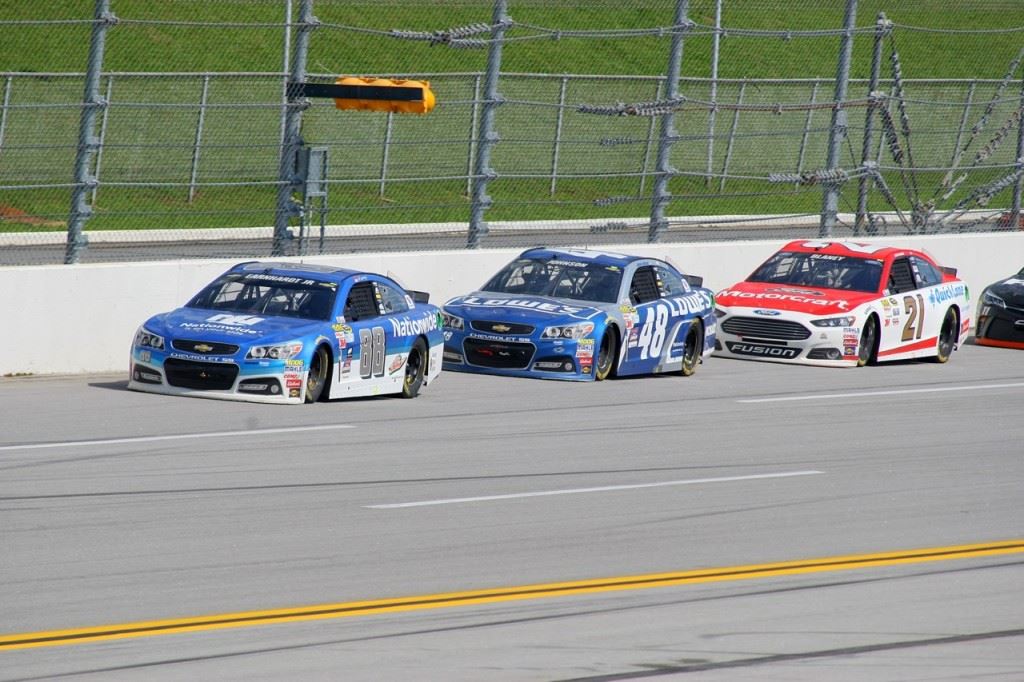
(691, 353)
(604, 359)
(867, 342)
(412, 367)
(316, 372)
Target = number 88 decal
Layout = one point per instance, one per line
(652, 336)
(371, 352)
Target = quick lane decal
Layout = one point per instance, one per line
(543, 591)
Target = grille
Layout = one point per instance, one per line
(766, 329)
(214, 347)
(200, 376)
(503, 327)
(1002, 329)
(498, 355)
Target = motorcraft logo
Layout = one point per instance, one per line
(758, 350)
(773, 296)
(524, 303)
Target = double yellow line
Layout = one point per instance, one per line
(540, 591)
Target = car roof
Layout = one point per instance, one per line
(309, 270)
(584, 255)
(849, 248)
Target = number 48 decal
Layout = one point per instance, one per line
(371, 352)
(652, 335)
(914, 308)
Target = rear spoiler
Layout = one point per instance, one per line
(694, 280)
(948, 271)
(419, 296)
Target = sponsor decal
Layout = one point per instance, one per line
(568, 263)
(346, 364)
(802, 292)
(198, 358)
(541, 306)
(586, 362)
(293, 382)
(396, 364)
(758, 350)
(501, 328)
(293, 393)
(217, 327)
(585, 348)
(849, 350)
(202, 347)
(634, 337)
(946, 293)
(886, 304)
(235, 320)
(294, 362)
(277, 278)
(767, 312)
(825, 256)
(586, 370)
(547, 364)
(695, 303)
(770, 295)
(412, 327)
(145, 356)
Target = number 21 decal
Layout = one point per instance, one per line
(914, 308)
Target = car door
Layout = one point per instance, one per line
(912, 315)
(362, 340)
(645, 341)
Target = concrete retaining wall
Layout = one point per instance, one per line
(81, 318)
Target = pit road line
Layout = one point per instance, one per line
(179, 436)
(502, 594)
(906, 391)
(599, 489)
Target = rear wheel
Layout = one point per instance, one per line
(316, 379)
(415, 367)
(692, 348)
(867, 353)
(606, 355)
(947, 336)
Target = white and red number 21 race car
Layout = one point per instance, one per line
(842, 304)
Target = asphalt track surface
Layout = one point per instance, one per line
(610, 531)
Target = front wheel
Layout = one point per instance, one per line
(606, 355)
(316, 379)
(692, 348)
(868, 351)
(415, 367)
(947, 336)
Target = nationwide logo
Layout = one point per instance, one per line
(407, 327)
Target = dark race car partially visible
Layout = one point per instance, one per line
(1001, 314)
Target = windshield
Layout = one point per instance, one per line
(263, 294)
(820, 270)
(559, 278)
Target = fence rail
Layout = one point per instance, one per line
(635, 156)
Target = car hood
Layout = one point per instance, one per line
(211, 325)
(518, 308)
(1010, 290)
(810, 300)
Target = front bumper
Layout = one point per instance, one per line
(520, 356)
(1002, 327)
(787, 339)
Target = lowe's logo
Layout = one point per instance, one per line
(766, 312)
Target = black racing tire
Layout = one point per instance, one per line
(319, 375)
(948, 335)
(607, 354)
(415, 369)
(867, 350)
(692, 348)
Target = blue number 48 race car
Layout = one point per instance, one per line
(581, 315)
(291, 333)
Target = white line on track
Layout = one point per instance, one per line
(576, 491)
(861, 394)
(178, 436)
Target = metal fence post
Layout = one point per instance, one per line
(103, 138)
(732, 136)
(647, 145)
(838, 130)
(87, 141)
(474, 122)
(385, 152)
(3, 110)
(881, 29)
(194, 173)
(661, 194)
(482, 172)
(807, 129)
(715, 40)
(558, 133)
(289, 181)
(1018, 185)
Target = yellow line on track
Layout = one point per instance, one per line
(539, 591)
